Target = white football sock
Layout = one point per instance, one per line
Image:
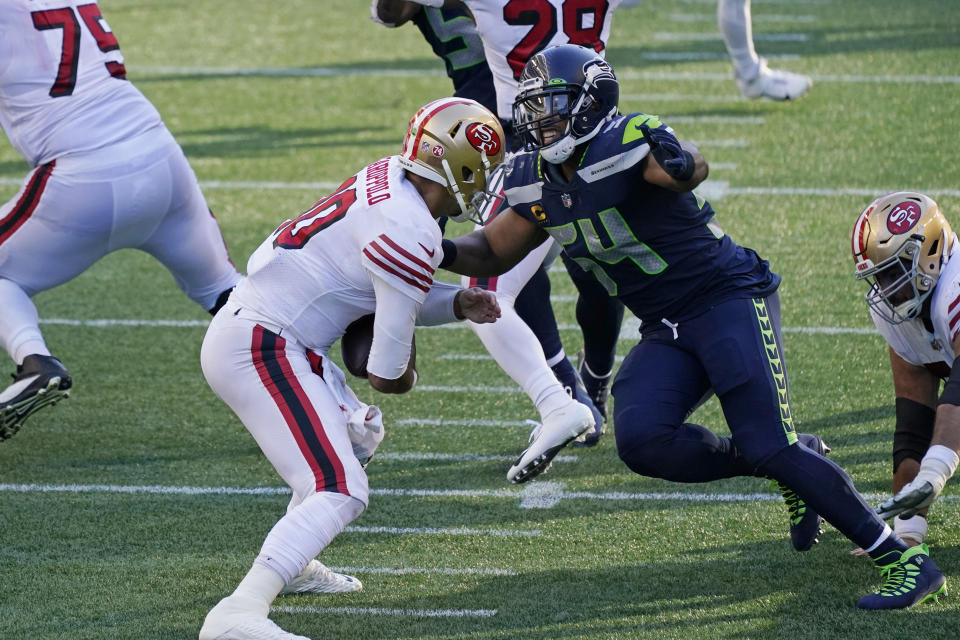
(19, 324)
(518, 352)
(304, 531)
(261, 584)
(734, 21)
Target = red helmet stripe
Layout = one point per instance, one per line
(437, 107)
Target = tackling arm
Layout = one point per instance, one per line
(495, 248)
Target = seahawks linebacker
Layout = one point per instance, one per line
(615, 191)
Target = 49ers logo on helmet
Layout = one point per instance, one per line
(903, 217)
(483, 138)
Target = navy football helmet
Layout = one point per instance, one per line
(567, 91)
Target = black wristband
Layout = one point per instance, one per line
(449, 248)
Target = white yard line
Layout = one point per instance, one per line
(444, 571)
(700, 36)
(379, 611)
(695, 56)
(628, 332)
(625, 72)
(757, 18)
(554, 488)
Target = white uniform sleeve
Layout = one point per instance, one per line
(402, 268)
(392, 330)
(438, 307)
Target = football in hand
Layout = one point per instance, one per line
(355, 345)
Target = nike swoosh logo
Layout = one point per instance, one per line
(429, 253)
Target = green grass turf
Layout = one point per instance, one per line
(606, 564)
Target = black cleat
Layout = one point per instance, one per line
(39, 382)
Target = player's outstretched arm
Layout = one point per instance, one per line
(495, 249)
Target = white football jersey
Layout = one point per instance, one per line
(514, 30)
(62, 81)
(911, 340)
(315, 275)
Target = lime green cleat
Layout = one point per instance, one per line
(909, 577)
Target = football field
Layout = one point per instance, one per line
(129, 510)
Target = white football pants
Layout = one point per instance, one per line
(511, 342)
(69, 213)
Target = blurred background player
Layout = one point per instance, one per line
(528, 349)
(372, 245)
(904, 248)
(709, 308)
(106, 174)
(754, 78)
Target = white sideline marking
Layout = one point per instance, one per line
(460, 457)
(466, 389)
(439, 422)
(869, 192)
(629, 332)
(541, 495)
(697, 36)
(688, 56)
(379, 611)
(735, 142)
(763, 17)
(402, 571)
(623, 72)
(714, 120)
(720, 189)
(509, 494)
(680, 97)
(454, 531)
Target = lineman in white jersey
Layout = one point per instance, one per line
(905, 249)
(373, 245)
(106, 174)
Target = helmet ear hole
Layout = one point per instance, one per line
(467, 174)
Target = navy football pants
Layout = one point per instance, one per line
(735, 349)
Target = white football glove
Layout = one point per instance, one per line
(937, 466)
(364, 422)
(365, 425)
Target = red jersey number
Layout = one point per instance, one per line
(66, 20)
(294, 234)
(582, 22)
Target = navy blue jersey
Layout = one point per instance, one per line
(453, 36)
(657, 250)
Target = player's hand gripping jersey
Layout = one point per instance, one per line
(372, 239)
(659, 251)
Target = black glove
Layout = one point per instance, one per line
(674, 159)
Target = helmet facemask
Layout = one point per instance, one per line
(898, 288)
(568, 113)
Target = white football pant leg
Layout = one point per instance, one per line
(19, 324)
(512, 343)
(735, 23)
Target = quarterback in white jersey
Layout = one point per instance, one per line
(907, 252)
(106, 175)
(370, 247)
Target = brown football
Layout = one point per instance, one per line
(355, 345)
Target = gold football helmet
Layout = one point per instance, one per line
(900, 244)
(456, 142)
